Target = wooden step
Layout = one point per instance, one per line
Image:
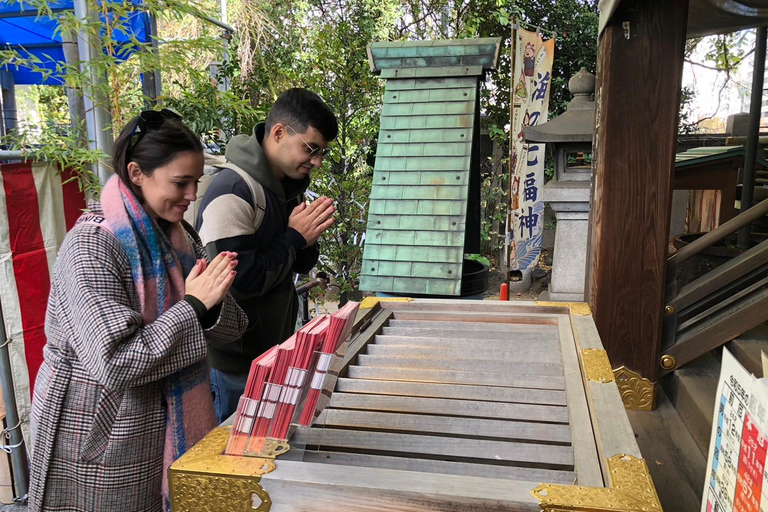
(747, 348)
(456, 391)
(691, 390)
(676, 465)
(542, 456)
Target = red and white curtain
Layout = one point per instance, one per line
(36, 211)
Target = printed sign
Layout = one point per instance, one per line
(736, 479)
(530, 84)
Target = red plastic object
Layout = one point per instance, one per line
(504, 292)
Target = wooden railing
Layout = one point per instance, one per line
(720, 305)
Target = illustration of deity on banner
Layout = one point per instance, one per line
(530, 104)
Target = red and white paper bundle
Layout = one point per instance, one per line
(308, 341)
(338, 332)
(248, 407)
(278, 382)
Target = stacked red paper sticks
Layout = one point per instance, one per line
(339, 331)
(279, 380)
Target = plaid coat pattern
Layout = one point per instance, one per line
(98, 411)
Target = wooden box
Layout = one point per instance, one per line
(447, 405)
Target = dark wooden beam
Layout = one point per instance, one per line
(639, 73)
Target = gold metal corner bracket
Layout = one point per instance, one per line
(577, 308)
(631, 490)
(371, 302)
(597, 366)
(206, 480)
(637, 392)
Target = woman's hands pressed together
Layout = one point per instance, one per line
(209, 282)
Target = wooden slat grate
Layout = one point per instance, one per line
(461, 397)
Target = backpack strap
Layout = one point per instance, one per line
(257, 192)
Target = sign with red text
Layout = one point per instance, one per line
(736, 478)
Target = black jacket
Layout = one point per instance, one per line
(268, 257)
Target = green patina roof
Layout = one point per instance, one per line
(417, 219)
(703, 155)
(420, 54)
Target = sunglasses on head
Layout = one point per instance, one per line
(147, 121)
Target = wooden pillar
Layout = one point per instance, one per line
(639, 74)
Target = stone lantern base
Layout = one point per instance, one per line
(570, 202)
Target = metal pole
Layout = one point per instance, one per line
(97, 116)
(18, 458)
(225, 26)
(155, 43)
(74, 95)
(3, 131)
(224, 84)
(750, 159)
(508, 237)
(150, 80)
(8, 90)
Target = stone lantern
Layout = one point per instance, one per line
(568, 193)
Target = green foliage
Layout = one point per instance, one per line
(334, 63)
(723, 53)
(479, 258)
(215, 115)
(117, 87)
(575, 23)
(321, 45)
(64, 149)
(686, 124)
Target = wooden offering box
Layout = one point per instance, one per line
(447, 405)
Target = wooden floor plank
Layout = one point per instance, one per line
(468, 334)
(456, 391)
(441, 466)
(458, 314)
(299, 486)
(676, 465)
(468, 364)
(474, 378)
(454, 340)
(510, 452)
(519, 352)
(419, 423)
(588, 469)
(449, 407)
(472, 326)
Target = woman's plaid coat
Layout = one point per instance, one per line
(98, 412)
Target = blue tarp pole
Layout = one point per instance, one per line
(74, 95)
(98, 120)
(151, 84)
(8, 89)
(152, 36)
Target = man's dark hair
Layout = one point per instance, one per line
(300, 109)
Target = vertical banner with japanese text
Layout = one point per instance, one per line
(531, 78)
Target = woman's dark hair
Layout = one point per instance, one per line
(158, 145)
(301, 109)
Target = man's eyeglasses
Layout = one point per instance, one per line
(312, 152)
(148, 120)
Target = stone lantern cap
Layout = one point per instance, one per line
(577, 123)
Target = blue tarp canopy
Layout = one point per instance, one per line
(21, 29)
